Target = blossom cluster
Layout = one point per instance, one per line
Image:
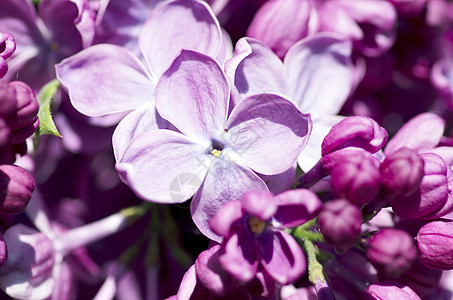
(226, 149)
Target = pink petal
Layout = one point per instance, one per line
(282, 257)
(320, 74)
(224, 182)
(163, 166)
(267, 133)
(105, 79)
(176, 25)
(194, 87)
(420, 133)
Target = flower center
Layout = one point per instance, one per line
(216, 149)
(256, 225)
(54, 46)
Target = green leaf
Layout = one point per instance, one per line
(45, 99)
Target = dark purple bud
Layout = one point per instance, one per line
(431, 195)
(435, 245)
(402, 172)
(354, 174)
(389, 290)
(26, 108)
(420, 278)
(340, 223)
(357, 131)
(7, 45)
(391, 251)
(8, 100)
(20, 135)
(16, 187)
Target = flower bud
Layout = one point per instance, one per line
(354, 174)
(26, 108)
(431, 195)
(31, 258)
(401, 172)
(391, 251)
(16, 187)
(435, 245)
(8, 100)
(7, 45)
(340, 223)
(357, 131)
(389, 290)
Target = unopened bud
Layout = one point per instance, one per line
(435, 245)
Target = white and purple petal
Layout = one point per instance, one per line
(164, 166)
(177, 25)
(267, 132)
(105, 79)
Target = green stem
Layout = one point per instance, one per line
(315, 270)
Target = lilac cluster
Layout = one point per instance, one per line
(226, 149)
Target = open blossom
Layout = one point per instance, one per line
(219, 149)
(108, 79)
(253, 235)
(8, 46)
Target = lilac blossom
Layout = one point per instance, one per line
(317, 75)
(281, 23)
(219, 150)
(253, 235)
(113, 80)
(44, 40)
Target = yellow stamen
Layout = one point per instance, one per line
(256, 225)
(216, 152)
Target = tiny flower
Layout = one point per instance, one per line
(340, 223)
(253, 235)
(435, 245)
(391, 251)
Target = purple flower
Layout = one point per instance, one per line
(370, 24)
(391, 251)
(214, 152)
(435, 245)
(340, 223)
(107, 79)
(253, 235)
(44, 40)
(317, 75)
